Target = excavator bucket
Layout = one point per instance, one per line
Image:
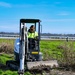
(41, 65)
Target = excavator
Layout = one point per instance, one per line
(27, 55)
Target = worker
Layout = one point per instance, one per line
(32, 33)
(32, 37)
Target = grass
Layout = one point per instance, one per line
(8, 72)
(8, 41)
(6, 45)
(50, 48)
(5, 57)
(63, 51)
(60, 50)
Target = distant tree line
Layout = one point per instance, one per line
(50, 34)
(42, 34)
(10, 33)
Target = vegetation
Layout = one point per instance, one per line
(6, 45)
(63, 51)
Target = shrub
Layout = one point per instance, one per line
(68, 53)
(6, 48)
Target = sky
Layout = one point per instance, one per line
(57, 16)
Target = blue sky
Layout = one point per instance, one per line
(57, 16)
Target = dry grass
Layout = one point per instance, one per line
(68, 53)
(6, 45)
(6, 48)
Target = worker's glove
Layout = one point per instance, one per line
(36, 38)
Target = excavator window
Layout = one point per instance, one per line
(32, 44)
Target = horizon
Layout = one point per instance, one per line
(40, 33)
(57, 16)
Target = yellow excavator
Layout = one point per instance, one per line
(27, 55)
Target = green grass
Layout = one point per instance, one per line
(5, 57)
(8, 72)
(50, 49)
(60, 50)
(7, 41)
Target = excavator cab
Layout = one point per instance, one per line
(32, 45)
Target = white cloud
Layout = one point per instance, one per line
(59, 20)
(63, 13)
(23, 5)
(4, 27)
(9, 28)
(4, 4)
(30, 5)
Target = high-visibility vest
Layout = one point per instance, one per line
(32, 35)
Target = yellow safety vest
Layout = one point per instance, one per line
(32, 35)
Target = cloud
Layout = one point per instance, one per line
(4, 4)
(23, 5)
(7, 28)
(63, 13)
(30, 5)
(59, 20)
